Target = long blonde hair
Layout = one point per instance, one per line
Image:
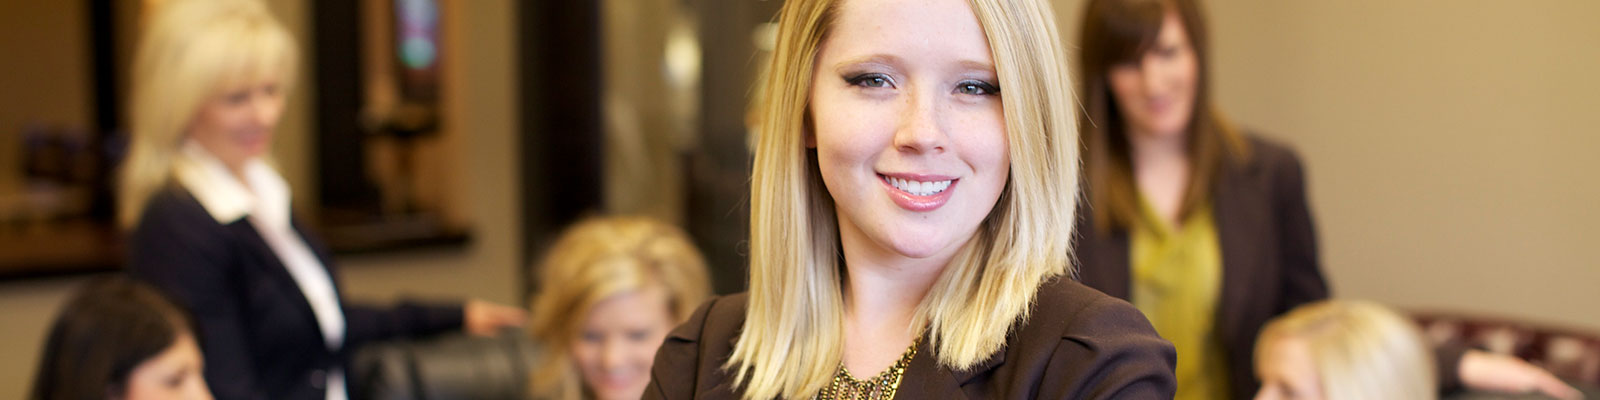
(1362, 350)
(598, 259)
(191, 51)
(792, 336)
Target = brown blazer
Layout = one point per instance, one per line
(1079, 344)
(1269, 256)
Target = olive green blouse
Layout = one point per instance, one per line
(1177, 279)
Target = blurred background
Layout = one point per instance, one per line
(439, 145)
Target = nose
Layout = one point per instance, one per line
(920, 130)
(612, 355)
(266, 108)
(1149, 74)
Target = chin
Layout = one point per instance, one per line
(617, 393)
(914, 247)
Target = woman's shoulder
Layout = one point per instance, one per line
(1270, 154)
(693, 354)
(1086, 344)
(1273, 167)
(718, 316)
(172, 205)
(175, 231)
(1076, 312)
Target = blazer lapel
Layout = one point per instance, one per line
(1235, 213)
(250, 239)
(323, 254)
(1102, 258)
(925, 379)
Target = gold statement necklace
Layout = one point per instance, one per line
(881, 387)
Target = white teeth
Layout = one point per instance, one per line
(919, 188)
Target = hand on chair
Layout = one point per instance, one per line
(483, 318)
(1506, 374)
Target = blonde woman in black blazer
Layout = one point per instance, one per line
(211, 222)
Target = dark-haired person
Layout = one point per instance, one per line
(120, 339)
(1204, 228)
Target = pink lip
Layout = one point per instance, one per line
(1158, 106)
(916, 203)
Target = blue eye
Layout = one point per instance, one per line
(977, 88)
(872, 80)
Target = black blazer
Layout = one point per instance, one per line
(1269, 256)
(255, 327)
(1078, 344)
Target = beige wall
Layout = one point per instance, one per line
(481, 120)
(45, 79)
(1450, 145)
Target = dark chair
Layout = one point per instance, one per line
(1571, 354)
(448, 367)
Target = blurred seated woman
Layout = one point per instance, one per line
(610, 290)
(211, 220)
(1344, 349)
(120, 339)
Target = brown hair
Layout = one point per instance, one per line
(105, 331)
(1120, 31)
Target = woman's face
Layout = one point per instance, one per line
(174, 374)
(910, 137)
(618, 341)
(236, 124)
(1287, 371)
(1155, 94)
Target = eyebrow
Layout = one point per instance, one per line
(883, 59)
(895, 61)
(977, 65)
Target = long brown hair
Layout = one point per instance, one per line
(1121, 31)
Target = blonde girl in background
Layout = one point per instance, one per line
(609, 290)
(1344, 349)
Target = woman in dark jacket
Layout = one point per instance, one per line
(211, 222)
(1205, 229)
(915, 165)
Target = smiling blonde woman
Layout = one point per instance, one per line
(912, 199)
